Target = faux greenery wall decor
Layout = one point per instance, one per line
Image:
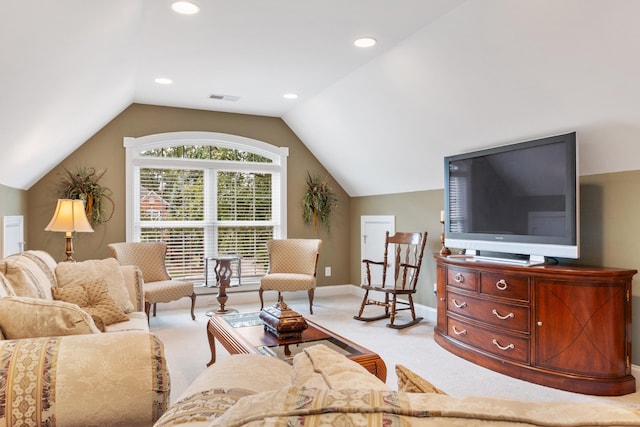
(318, 201)
(83, 184)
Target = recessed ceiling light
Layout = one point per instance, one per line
(163, 81)
(185, 7)
(290, 96)
(365, 42)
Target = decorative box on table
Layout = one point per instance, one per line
(281, 321)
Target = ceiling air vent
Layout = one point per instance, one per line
(220, 97)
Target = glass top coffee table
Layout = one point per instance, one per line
(242, 333)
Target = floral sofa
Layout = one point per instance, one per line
(75, 346)
(324, 388)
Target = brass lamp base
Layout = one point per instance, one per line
(69, 247)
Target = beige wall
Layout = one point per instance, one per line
(416, 211)
(105, 151)
(14, 202)
(610, 232)
(609, 228)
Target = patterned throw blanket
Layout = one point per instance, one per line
(205, 406)
(299, 406)
(296, 406)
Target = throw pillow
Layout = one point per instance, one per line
(411, 382)
(93, 298)
(26, 277)
(319, 366)
(46, 262)
(77, 273)
(25, 317)
(6, 290)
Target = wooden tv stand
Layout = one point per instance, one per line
(567, 327)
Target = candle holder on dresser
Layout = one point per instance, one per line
(444, 250)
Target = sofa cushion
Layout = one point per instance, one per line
(413, 383)
(46, 263)
(25, 317)
(6, 290)
(93, 298)
(221, 385)
(77, 273)
(27, 275)
(138, 321)
(319, 366)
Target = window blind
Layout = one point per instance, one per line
(206, 211)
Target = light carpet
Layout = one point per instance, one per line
(187, 349)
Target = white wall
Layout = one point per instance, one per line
(488, 73)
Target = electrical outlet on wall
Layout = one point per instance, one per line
(327, 271)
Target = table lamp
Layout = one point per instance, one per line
(69, 216)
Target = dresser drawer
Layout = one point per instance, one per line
(500, 314)
(502, 345)
(511, 286)
(463, 279)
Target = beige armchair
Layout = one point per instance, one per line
(158, 286)
(293, 264)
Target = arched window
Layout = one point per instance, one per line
(206, 194)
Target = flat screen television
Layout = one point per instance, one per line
(517, 202)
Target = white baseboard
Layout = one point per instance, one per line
(427, 313)
(248, 295)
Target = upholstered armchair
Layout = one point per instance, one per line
(158, 286)
(293, 264)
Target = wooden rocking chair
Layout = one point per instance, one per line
(408, 251)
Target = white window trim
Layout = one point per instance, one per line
(133, 147)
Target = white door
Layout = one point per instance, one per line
(372, 232)
(12, 235)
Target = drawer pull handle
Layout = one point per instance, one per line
(457, 332)
(509, 347)
(508, 316)
(459, 278)
(502, 284)
(459, 305)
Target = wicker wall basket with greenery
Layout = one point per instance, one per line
(317, 202)
(83, 184)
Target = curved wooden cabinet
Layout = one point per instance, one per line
(567, 327)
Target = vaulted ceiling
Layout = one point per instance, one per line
(446, 76)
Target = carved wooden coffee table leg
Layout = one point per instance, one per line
(212, 343)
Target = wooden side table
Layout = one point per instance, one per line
(223, 273)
